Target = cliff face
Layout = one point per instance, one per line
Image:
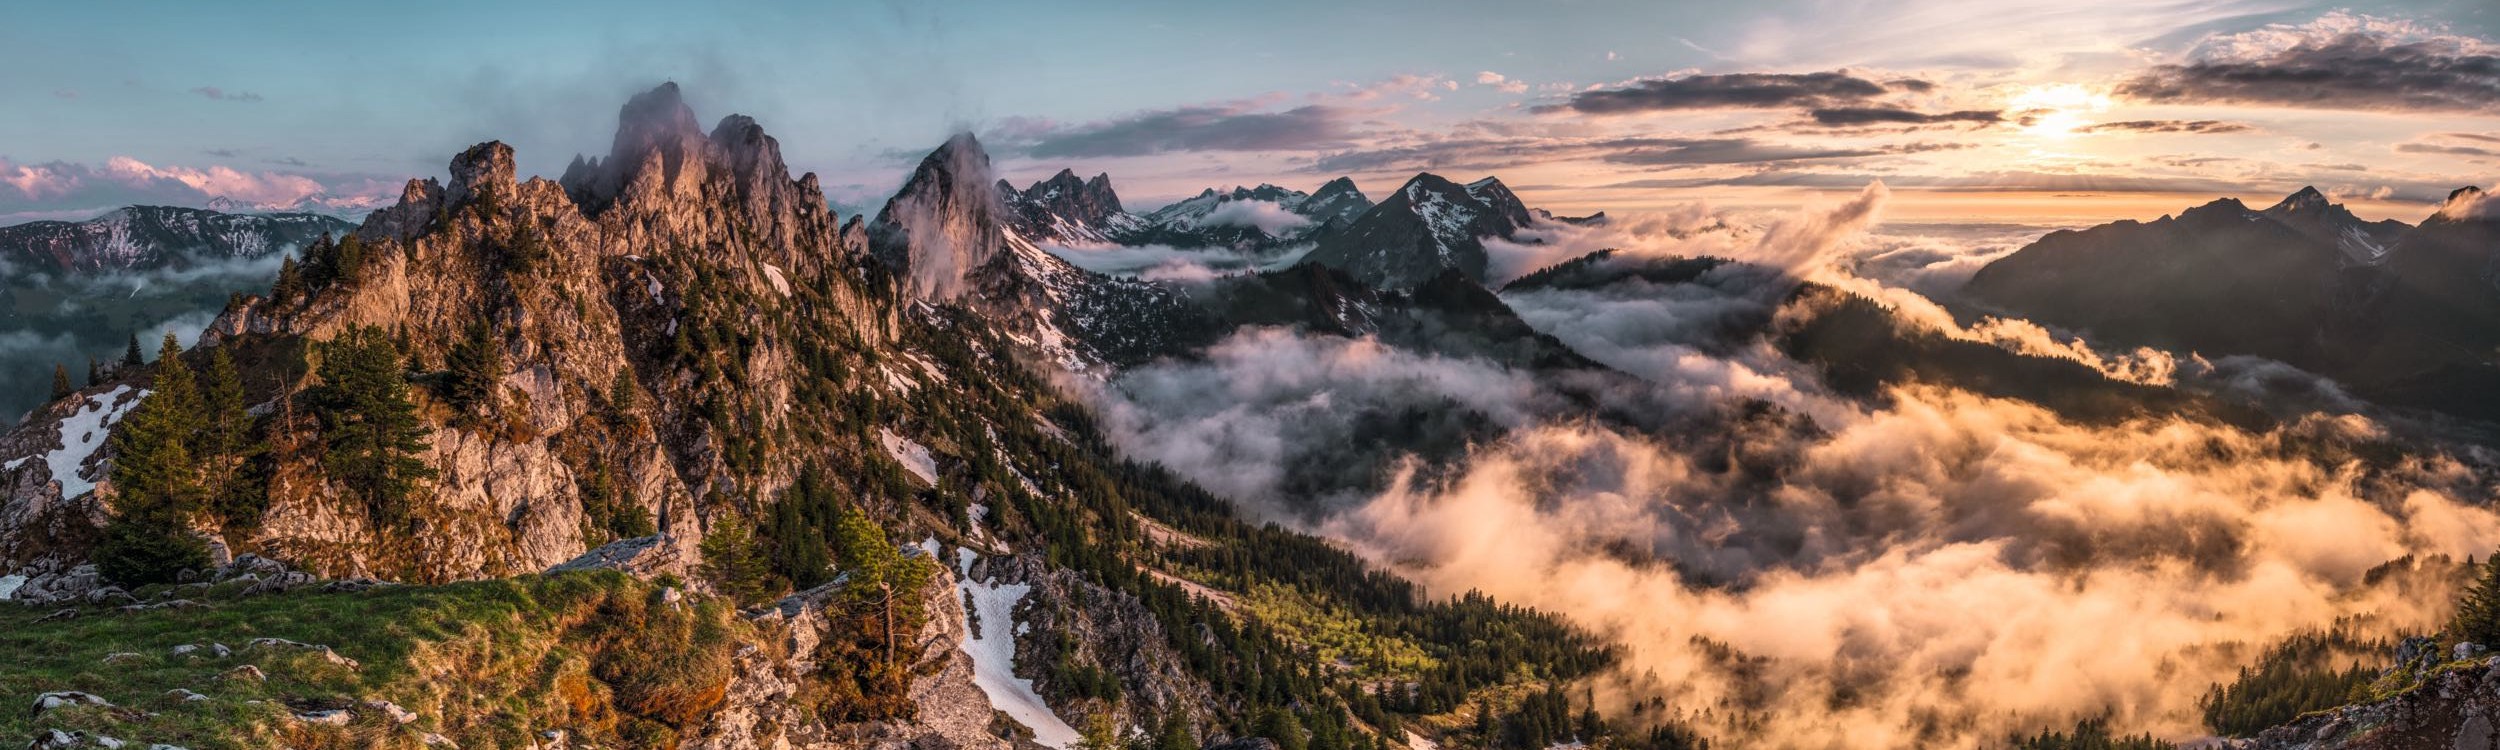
(676, 329)
(594, 294)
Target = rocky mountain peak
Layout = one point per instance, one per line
(2467, 203)
(1430, 225)
(945, 222)
(485, 167)
(1504, 204)
(1067, 209)
(2219, 209)
(657, 135)
(1337, 201)
(2306, 199)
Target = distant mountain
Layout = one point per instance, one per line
(350, 207)
(140, 237)
(1067, 210)
(2403, 315)
(952, 234)
(72, 292)
(1253, 218)
(2362, 242)
(1430, 225)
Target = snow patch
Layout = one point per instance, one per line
(9, 585)
(913, 456)
(81, 434)
(773, 273)
(993, 650)
(1419, 742)
(899, 384)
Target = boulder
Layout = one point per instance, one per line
(66, 699)
(641, 557)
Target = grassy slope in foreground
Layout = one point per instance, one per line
(484, 664)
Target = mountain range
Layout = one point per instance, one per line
(2405, 315)
(666, 452)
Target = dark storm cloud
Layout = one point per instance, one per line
(2171, 126)
(1849, 116)
(2353, 71)
(1200, 128)
(1733, 90)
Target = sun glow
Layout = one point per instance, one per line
(2057, 110)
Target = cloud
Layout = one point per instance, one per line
(64, 94)
(2340, 61)
(1164, 262)
(1402, 86)
(223, 182)
(2470, 204)
(71, 190)
(1847, 116)
(39, 181)
(1197, 129)
(2169, 126)
(1732, 90)
(2450, 150)
(1930, 568)
(1266, 216)
(1502, 83)
(1670, 152)
(1489, 153)
(217, 94)
(1992, 181)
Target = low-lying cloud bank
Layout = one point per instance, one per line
(1937, 569)
(54, 318)
(1168, 263)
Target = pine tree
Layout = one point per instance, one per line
(861, 549)
(370, 431)
(2478, 609)
(734, 562)
(476, 366)
(130, 357)
(95, 372)
(1100, 733)
(60, 382)
(290, 281)
(1280, 726)
(224, 425)
(1174, 734)
(177, 390)
(156, 483)
(320, 262)
(349, 260)
(622, 395)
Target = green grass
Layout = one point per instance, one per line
(486, 664)
(1335, 634)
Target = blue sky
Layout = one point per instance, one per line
(357, 97)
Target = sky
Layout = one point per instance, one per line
(2029, 110)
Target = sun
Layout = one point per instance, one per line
(2057, 110)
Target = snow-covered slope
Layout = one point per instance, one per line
(153, 236)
